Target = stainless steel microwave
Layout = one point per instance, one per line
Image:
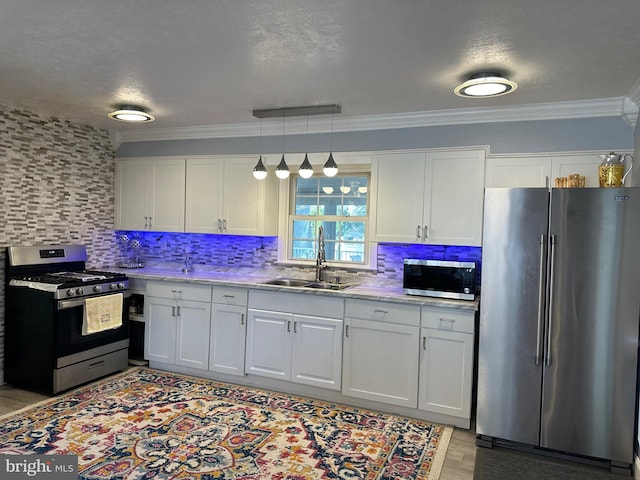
(440, 278)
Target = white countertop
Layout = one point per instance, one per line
(251, 278)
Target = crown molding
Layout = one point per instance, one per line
(607, 107)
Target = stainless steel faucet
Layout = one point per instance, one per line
(320, 257)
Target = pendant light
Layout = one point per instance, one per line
(330, 168)
(282, 170)
(306, 170)
(259, 171)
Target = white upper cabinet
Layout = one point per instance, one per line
(150, 194)
(518, 172)
(224, 197)
(429, 197)
(541, 171)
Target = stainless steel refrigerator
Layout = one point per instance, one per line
(559, 315)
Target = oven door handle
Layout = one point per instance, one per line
(79, 302)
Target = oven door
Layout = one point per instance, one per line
(69, 340)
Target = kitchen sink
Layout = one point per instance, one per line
(287, 282)
(297, 282)
(329, 286)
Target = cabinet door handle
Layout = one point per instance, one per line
(242, 319)
(178, 310)
(288, 325)
(219, 224)
(295, 327)
(346, 331)
(224, 224)
(425, 232)
(173, 311)
(418, 231)
(424, 343)
(150, 222)
(146, 222)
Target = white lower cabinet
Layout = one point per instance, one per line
(285, 342)
(446, 361)
(381, 352)
(228, 330)
(178, 320)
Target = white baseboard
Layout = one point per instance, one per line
(636, 468)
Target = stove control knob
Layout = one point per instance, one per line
(79, 291)
(97, 288)
(71, 292)
(121, 285)
(113, 286)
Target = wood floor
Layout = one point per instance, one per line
(458, 464)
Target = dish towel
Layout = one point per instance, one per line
(102, 313)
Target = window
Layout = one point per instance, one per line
(338, 204)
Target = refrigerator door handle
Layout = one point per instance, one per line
(550, 303)
(541, 296)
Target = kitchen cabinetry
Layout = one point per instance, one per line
(295, 337)
(150, 194)
(540, 171)
(178, 320)
(381, 352)
(223, 197)
(429, 197)
(446, 361)
(228, 330)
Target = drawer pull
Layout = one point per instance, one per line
(288, 325)
(424, 343)
(346, 331)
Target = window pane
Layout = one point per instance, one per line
(334, 202)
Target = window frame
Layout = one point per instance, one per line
(287, 204)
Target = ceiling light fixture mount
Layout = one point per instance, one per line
(297, 111)
(131, 113)
(485, 84)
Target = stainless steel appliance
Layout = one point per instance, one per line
(440, 278)
(45, 349)
(558, 346)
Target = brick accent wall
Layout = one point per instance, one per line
(56, 186)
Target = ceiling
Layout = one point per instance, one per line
(211, 62)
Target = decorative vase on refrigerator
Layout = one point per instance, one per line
(558, 347)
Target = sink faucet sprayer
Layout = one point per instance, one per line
(320, 258)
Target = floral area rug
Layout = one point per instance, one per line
(149, 424)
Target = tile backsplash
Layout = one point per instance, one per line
(262, 253)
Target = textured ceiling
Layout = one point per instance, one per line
(211, 62)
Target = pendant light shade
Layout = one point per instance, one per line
(259, 171)
(306, 170)
(282, 170)
(330, 168)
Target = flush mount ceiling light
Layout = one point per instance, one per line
(485, 84)
(131, 113)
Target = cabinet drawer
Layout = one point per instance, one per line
(179, 291)
(230, 296)
(448, 319)
(383, 312)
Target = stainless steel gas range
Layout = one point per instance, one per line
(48, 347)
